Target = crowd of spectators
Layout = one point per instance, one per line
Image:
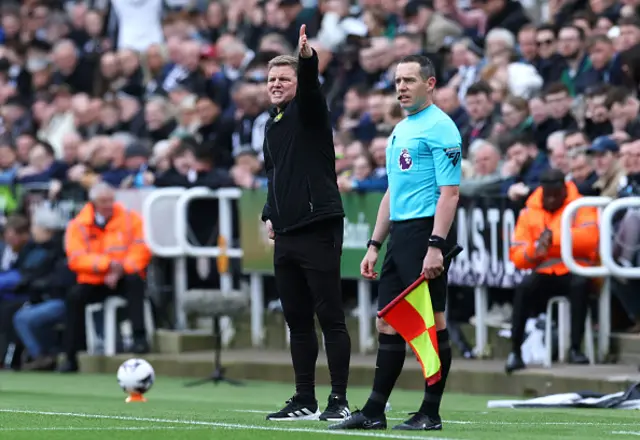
(153, 93)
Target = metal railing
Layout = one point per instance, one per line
(606, 246)
(602, 271)
(609, 266)
(179, 248)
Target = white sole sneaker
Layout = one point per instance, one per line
(294, 417)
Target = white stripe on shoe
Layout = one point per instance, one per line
(305, 414)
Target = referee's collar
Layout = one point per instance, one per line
(273, 111)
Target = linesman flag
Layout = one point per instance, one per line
(411, 315)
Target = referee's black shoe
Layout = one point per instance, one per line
(297, 408)
(357, 420)
(337, 409)
(420, 422)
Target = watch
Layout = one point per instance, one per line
(437, 242)
(374, 243)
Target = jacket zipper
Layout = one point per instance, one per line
(273, 182)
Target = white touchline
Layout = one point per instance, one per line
(626, 433)
(470, 422)
(102, 428)
(218, 424)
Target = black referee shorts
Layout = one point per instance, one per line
(402, 264)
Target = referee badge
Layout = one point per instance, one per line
(405, 161)
(278, 117)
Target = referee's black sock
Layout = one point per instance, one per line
(433, 394)
(392, 351)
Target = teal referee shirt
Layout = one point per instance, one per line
(424, 152)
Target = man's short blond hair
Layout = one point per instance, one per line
(284, 60)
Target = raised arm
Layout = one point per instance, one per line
(311, 102)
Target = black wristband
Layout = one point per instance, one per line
(374, 243)
(438, 242)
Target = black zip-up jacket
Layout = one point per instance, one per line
(299, 157)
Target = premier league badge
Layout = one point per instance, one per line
(405, 161)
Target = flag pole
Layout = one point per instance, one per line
(449, 255)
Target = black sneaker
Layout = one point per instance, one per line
(420, 422)
(514, 363)
(337, 409)
(357, 420)
(296, 410)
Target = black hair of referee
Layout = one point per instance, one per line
(305, 217)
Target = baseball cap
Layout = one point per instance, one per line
(602, 144)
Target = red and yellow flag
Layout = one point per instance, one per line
(411, 315)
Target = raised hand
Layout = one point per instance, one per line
(303, 44)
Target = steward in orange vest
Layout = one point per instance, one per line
(536, 245)
(105, 248)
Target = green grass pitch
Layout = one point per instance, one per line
(87, 407)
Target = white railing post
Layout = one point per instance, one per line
(257, 309)
(167, 251)
(602, 271)
(604, 320)
(481, 303)
(606, 254)
(159, 249)
(364, 316)
(566, 240)
(607, 236)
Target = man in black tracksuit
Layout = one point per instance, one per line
(304, 216)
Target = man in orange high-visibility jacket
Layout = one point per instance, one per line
(106, 250)
(536, 245)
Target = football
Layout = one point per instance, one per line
(136, 376)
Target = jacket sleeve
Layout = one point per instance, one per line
(138, 255)
(585, 233)
(506, 184)
(523, 244)
(312, 105)
(79, 258)
(37, 263)
(215, 179)
(9, 280)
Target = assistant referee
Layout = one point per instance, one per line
(417, 211)
(304, 215)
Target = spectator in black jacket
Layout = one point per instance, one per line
(46, 285)
(480, 108)
(25, 259)
(549, 63)
(304, 215)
